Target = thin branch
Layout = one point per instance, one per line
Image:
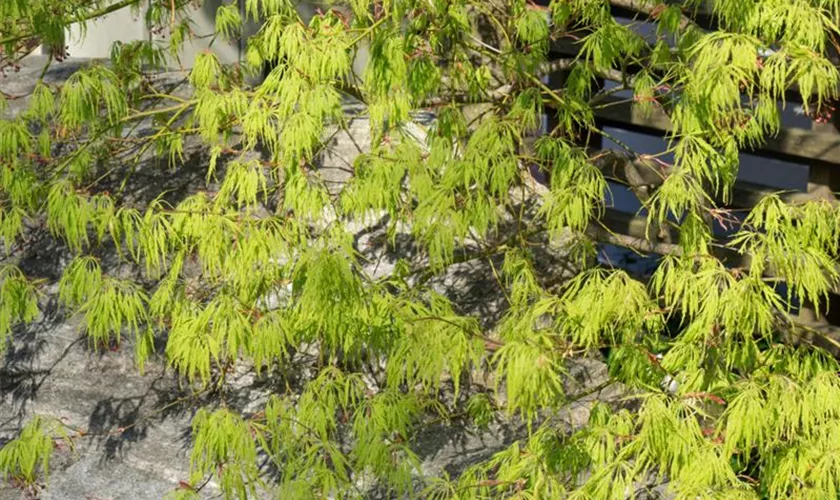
(650, 9)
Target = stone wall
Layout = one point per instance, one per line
(136, 427)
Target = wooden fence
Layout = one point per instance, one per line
(802, 145)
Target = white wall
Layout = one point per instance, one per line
(123, 26)
(203, 22)
(103, 32)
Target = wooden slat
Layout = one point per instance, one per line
(747, 195)
(630, 231)
(790, 142)
(822, 171)
(643, 173)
